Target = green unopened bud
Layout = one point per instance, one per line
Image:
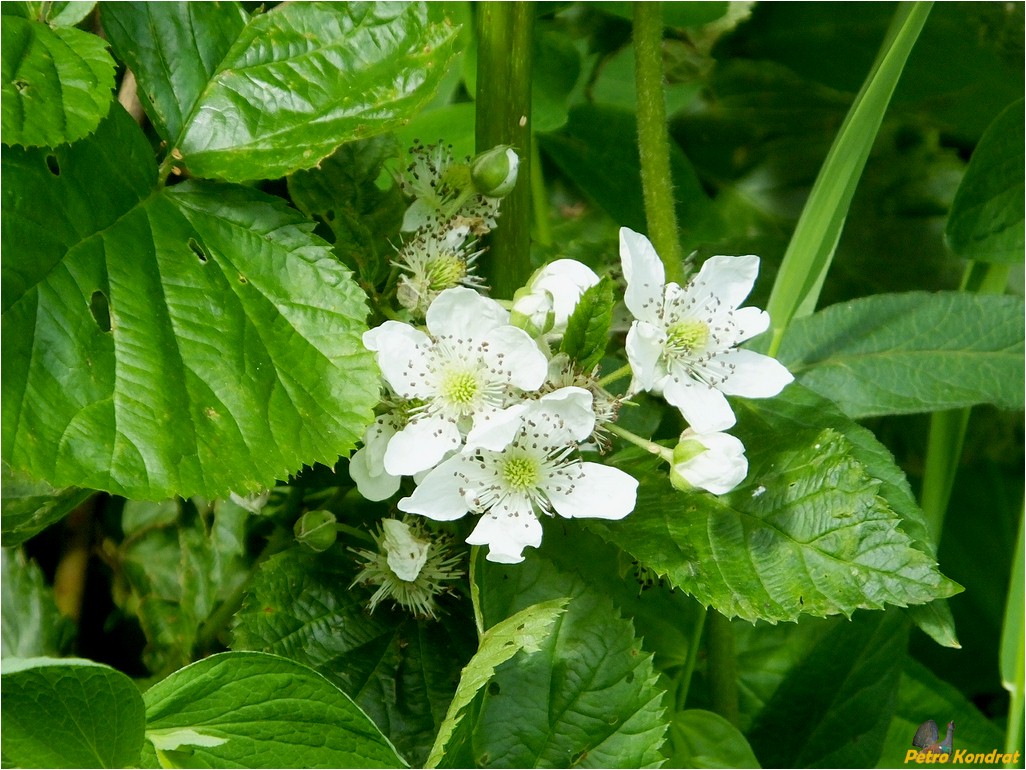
(494, 172)
(686, 450)
(316, 530)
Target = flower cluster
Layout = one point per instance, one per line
(488, 412)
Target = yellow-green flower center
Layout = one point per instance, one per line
(461, 388)
(521, 473)
(687, 337)
(445, 272)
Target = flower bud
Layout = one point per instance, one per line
(316, 530)
(714, 462)
(494, 172)
(533, 311)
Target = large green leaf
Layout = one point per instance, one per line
(32, 625)
(174, 49)
(704, 739)
(56, 83)
(806, 532)
(250, 709)
(30, 506)
(587, 699)
(914, 352)
(401, 671)
(195, 339)
(289, 87)
(69, 713)
(986, 219)
(835, 706)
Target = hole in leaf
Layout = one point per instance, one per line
(198, 250)
(243, 279)
(100, 309)
(493, 688)
(21, 85)
(52, 165)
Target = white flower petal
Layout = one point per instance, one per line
(750, 322)
(750, 374)
(718, 469)
(645, 276)
(439, 495)
(704, 407)
(495, 430)
(463, 313)
(572, 408)
(511, 353)
(644, 352)
(421, 444)
(417, 215)
(406, 555)
(728, 279)
(506, 536)
(371, 479)
(598, 492)
(564, 280)
(376, 438)
(400, 352)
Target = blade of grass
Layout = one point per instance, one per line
(1013, 649)
(811, 250)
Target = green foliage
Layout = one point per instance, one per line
(30, 506)
(56, 83)
(196, 286)
(251, 709)
(33, 627)
(402, 672)
(986, 219)
(911, 352)
(69, 713)
(587, 330)
(313, 79)
(704, 739)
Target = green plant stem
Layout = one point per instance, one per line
(947, 428)
(503, 115)
(637, 440)
(475, 592)
(654, 139)
(1013, 649)
(619, 374)
(719, 643)
(539, 203)
(684, 680)
(810, 251)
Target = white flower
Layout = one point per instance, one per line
(533, 475)
(714, 462)
(547, 301)
(463, 374)
(682, 343)
(435, 261)
(367, 465)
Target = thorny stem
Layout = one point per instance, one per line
(654, 139)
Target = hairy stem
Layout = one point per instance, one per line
(654, 139)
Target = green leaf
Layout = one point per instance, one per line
(677, 14)
(806, 532)
(174, 49)
(588, 698)
(179, 560)
(296, 82)
(364, 218)
(587, 330)
(250, 709)
(30, 506)
(526, 630)
(834, 707)
(556, 68)
(704, 739)
(913, 352)
(56, 83)
(401, 671)
(67, 14)
(811, 249)
(598, 151)
(922, 695)
(32, 626)
(206, 341)
(986, 218)
(69, 713)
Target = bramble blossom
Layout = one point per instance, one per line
(714, 462)
(468, 367)
(550, 296)
(535, 474)
(682, 343)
